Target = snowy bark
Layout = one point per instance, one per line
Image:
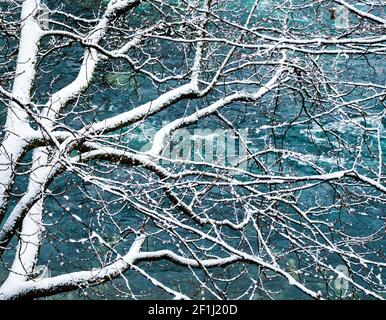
(30, 234)
(17, 129)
